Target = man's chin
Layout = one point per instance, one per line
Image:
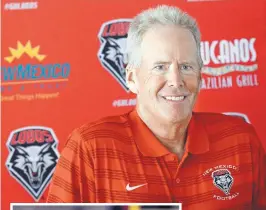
(176, 117)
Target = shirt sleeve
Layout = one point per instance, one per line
(259, 173)
(73, 179)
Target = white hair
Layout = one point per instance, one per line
(162, 15)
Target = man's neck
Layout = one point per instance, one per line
(171, 135)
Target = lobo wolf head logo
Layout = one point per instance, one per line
(112, 53)
(223, 180)
(32, 158)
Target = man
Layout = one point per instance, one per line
(162, 151)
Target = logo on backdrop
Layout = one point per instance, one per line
(112, 54)
(19, 75)
(30, 5)
(32, 157)
(237, 114)
(229, 63)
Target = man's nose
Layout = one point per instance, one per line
(175, 77)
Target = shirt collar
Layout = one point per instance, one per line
(197, 137)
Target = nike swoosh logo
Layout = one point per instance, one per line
(128, 188)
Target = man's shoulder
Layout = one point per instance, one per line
(103, 127)
(226, 127)
(218, 122)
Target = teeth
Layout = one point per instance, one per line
(173, 98)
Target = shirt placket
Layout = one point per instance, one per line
(171, 161)
(174, 167)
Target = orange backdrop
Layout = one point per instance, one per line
(62, 65)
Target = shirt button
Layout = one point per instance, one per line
(177, 180)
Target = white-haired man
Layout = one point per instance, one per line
(162, 151)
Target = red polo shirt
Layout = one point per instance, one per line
(118, 159)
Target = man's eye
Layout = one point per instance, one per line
(186, 67)
(159, 67)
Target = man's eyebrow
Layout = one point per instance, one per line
(192, 63)
(181, 62)
(188, 62)
(161, 62)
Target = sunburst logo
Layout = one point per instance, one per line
(33, 77)
(32, 52)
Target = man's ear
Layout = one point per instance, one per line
(131, 79)
(200, 80)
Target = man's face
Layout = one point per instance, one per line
(168, 79)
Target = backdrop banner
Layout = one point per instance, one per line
(63, 64)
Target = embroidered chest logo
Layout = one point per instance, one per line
(223, 180)
(130, 188)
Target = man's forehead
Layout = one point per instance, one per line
(161, 57)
